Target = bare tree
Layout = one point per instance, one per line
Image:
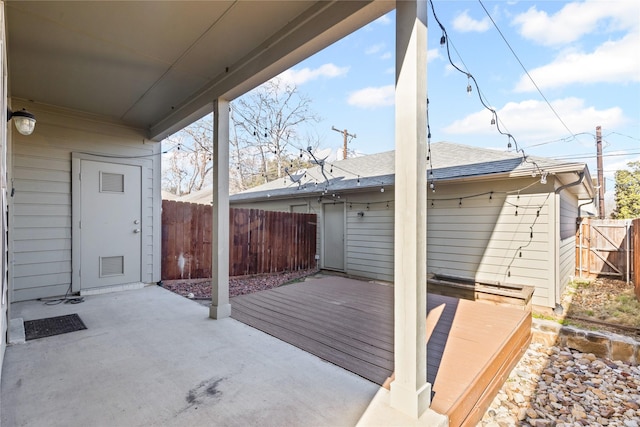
(266, 136)
(267, 131)
(189, 163)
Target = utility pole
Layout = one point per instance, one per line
(600, 173)
(345, 135)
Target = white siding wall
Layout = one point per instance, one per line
(369, 238)
(41, 206)
(4, 282)
(481, 239)
(567, 252)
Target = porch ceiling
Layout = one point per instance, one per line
(158, 65)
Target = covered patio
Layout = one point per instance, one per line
(107, 81)
(152, 358)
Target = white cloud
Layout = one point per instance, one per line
(577, 19)
(466, 24)
(372, 97)
(372, 50)
(533, 120)
(433, 54)
(304, 75)
(386, 55)
(611, 62)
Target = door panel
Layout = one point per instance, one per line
(334, 236)
(110, 226)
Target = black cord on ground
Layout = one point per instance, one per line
(67, 299)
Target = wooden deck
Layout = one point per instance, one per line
(471, 347)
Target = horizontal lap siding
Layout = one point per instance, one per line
(568, 229)
(369, 238)
(41, 172)
(481, 238)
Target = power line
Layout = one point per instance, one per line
(591, 155)
(525, 69)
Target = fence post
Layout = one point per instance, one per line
(636, 256)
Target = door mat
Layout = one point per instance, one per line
(40, 328)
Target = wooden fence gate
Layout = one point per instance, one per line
(259, 241)
(605, 247)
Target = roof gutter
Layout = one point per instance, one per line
(582, 175)
(571, 184)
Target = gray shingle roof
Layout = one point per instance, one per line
(450, 161)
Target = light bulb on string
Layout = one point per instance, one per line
(432, 187)
(358, 182)
(382, 189)
(443, 40)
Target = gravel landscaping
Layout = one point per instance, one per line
(201, 288)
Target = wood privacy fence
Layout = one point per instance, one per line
(608, 247)
(636, 256)
(259, 241)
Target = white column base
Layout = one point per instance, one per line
(409, 400)
(381, 413)
(220, 311)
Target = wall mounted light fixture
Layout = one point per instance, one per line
(25, 121)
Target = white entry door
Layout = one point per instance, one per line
(334, 236)
(110, 224)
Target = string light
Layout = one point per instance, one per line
(471, 78)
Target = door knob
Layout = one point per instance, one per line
(137, 230)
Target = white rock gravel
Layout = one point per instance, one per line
(560, 387)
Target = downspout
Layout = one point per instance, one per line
(558, 308)
(571, 184)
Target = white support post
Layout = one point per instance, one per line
(410, 392)
(220, 307)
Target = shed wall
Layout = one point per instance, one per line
(567, 251)
(500, 237)
(471, 233)
(41, 206)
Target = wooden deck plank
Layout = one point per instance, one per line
(471, 346)
(349, 344)
(363, 331)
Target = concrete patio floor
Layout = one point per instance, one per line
(152, 358)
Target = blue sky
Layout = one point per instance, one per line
(582, 55)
